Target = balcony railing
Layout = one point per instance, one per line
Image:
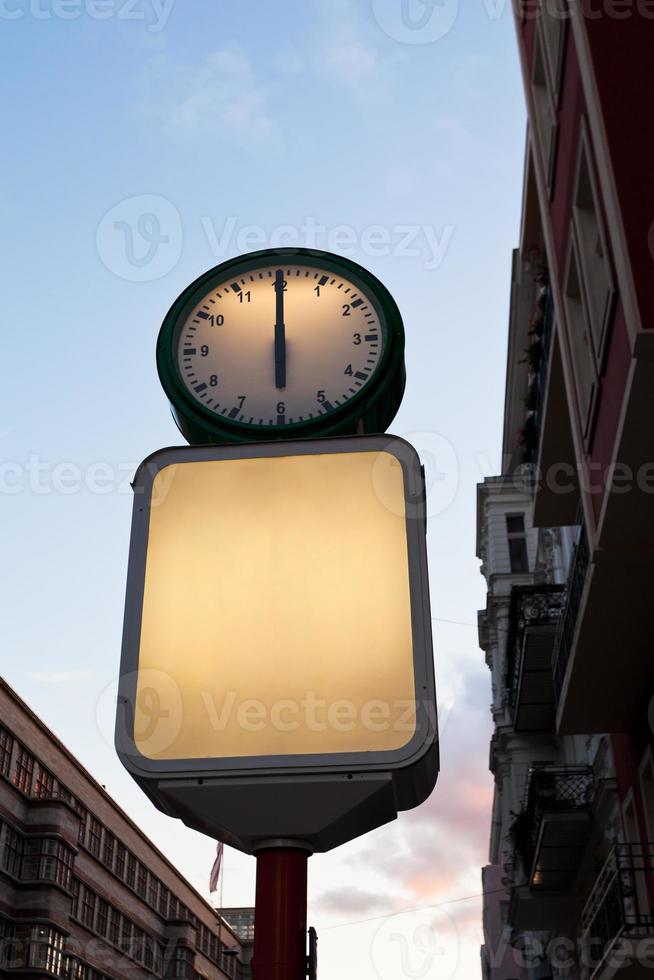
(552, 793)
(619, 906)
(533, 617)
(575, 589)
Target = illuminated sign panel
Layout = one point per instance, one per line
(277, 624)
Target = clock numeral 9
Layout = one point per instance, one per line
(320, 395)
(204, 350)
(356, 340)
(213, 380)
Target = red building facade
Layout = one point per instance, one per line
(579, 429)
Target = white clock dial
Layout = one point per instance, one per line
(279, 345)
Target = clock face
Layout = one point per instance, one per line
(280, 344)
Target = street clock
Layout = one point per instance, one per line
(282, 344)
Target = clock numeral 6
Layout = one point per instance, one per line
(320, 395)
(213, 380)
(204, 350)
(356, 339)
(281, 408)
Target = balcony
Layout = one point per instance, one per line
(603, 663)
(617, 926)
(550, 836)
(534, 616)
(568, 623)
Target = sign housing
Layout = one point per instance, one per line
(277, 673)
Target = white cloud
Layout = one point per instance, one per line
(221, 98)
(349, 62)
(60, 676)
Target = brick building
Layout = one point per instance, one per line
(83, 893)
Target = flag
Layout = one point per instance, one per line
(215, 871)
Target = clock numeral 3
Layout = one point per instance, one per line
(356, 340)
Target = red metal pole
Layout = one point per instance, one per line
(280, 918)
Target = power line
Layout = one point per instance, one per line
(416, 908)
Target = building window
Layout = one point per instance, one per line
(515, 532)
(153, 891)
(47, 950)
(88, 907)
(35, 946)
(125, 935)
(142, 881)
(95, 837)
(44, 783)
(83, 819)
(593, 260)
(554, 19)
(130, 877)
(6, 745)
(583, 359)
(12, 851)
(114, 926)
(75, 887)
(108, 849)
(24, 770)
(182, 963)
(120, 860)
(47, 859)
(544, 113)
(163, 899)
(102, 920)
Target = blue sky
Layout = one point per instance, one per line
(146, 142)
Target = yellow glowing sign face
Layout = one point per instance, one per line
(276, 613)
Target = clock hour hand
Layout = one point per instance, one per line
(280, 331)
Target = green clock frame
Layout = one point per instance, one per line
(371, 410)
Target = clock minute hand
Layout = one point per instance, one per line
(280, 331)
